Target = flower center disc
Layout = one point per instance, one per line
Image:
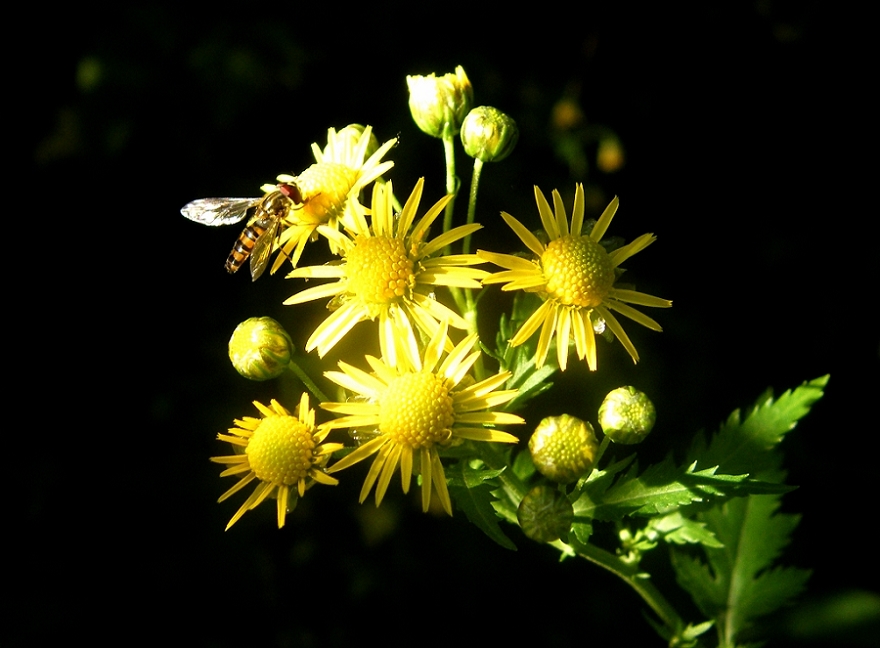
(281, 450)
(578, 271)
(416, 410)
(379, 270)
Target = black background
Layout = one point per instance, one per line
(745, 154)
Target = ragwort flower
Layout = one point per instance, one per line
(388, 271)
(330, 187)
(284, 453)
(575, 276)
(416, 406)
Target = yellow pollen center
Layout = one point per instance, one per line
(417, 410)
(379, 270)
(281, 451)
(578, 270)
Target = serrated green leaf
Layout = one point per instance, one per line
(662, 489)
(739, 583)
(471, 489)
(678, 529)
(746, 445)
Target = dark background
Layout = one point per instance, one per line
(742, 132)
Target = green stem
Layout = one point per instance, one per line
(639, 582)
(307, 381)
(451, 184)
(472, 201)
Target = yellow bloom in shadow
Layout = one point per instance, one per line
(575, 277)
(388, 272)
(285, 454)
(414, 407)
(330, 187)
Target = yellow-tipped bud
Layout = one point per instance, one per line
(488, 134)
(439, 104)
(544, 514)
(563, 448)
(627, 415)
(260, 348)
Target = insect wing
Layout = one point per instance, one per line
(218, 211)
(263, 247)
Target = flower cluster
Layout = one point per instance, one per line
(430, 394)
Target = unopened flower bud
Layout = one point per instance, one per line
(346, 140)
(563, 448)
(488, 134)
(439, 104)
(260, 348)
(627, 415)
(545, 514)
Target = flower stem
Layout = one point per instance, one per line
(472, 201)
(451, 184)
(308, 382)
(638, 581)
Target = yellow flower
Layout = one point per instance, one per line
(284, 453)
(389, 271)
(416, 406)
(575, 276)
(330, 187)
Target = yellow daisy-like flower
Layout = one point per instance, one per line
(575, 277)
(415, 407)
(330, 187)
(284, 453)
(389, 271)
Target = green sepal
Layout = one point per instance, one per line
(471, 489)
(523, 466)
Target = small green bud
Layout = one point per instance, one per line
(544, 514)
(627, 415)
(563, 448)
(439, 104)
(260, 348)
(488, 134)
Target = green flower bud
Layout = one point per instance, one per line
(563, 448)
(488, 134)
(260, 348)
(439, 104)
(627, 415)
(544, 514)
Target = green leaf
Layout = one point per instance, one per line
(662, 489)
(520, 360)
(739, 581)
(746, 446)
(678, 529)
(472, 491)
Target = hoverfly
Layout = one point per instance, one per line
(258, 238)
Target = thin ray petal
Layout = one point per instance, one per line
(530, 240)
(605, 220)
